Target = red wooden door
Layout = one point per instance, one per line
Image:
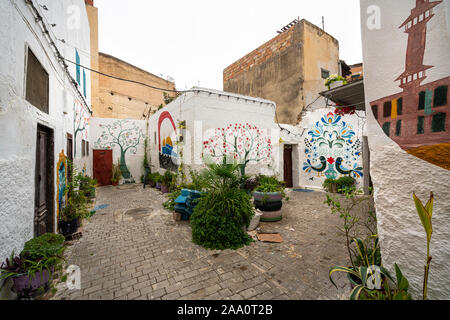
(103, 166)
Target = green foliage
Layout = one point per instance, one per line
(169, 179)
(343, 184)
(364, 292)
(168, 99)
(87, 185)
(345, 207)
(47, 245)
(39, 254)
(368, 256)
(223, 211)
(116, 173)
(269, 184)
(77, 205)
(170, 203)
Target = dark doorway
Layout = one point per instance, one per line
(43, 217)
(288, 166)
(69, 147)
(103, 166)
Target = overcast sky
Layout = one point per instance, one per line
(193, 41)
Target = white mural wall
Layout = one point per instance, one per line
(395, 173)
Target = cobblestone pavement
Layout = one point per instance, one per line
(145, 254)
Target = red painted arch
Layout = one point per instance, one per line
(162, 117)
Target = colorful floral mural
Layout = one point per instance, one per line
(243, 142)
(167, 148)
(332, 149)
(124, 134)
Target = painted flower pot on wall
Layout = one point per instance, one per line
(267, 201)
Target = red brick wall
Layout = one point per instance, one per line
(259, 55)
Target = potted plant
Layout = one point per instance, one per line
(167, 181)
(268, 197)
(334, 81)
(33, 269)
(76, 207)
(116, 174)
(330, 185)
(87, 185)
(157, 179)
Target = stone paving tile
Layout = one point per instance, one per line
(150, 256)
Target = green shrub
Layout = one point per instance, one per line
(269, 184)
(219, 217)
(345, 183)
(223, 211)
(49, 244)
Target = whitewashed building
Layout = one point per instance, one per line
(44, 113)
(406, 83)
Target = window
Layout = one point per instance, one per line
(440, 96)
(387, 128)
(87, 148)
(77, 60)
(83, 148)
(37, 83)
(375, 111)
(422, 100)
(398, 128)
(420, 124)
(399, 106)
(438, 122)
(387, 109)
(325, 73)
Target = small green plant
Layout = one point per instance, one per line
(77, 204)
(333, 78)
(425, 213)
(269, 184)
(116, 173)
(169, 179)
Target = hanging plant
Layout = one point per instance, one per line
(334, 78)
(343, 110)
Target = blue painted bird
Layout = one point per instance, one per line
(355, 172)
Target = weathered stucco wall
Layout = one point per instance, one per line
(395, 173)
(19, 119)
(286, 69)
(126, 100)
(206, 113)
(126, 138)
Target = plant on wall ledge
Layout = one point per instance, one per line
(334, 78)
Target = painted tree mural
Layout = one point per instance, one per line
(242, 142)
(332, 149)
(81, 123)
(124, 134)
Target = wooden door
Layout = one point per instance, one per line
(43, 218)
(103, 166)
(288, 166)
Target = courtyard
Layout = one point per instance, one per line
(134, 249)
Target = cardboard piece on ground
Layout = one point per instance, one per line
(270, 237)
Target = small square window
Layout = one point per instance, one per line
(375, 111)
(440, 96)
(387, 128)
(325, 73)
(420, 124)
(398, 128)
(37, 83)
(438, 122)
(387, 109)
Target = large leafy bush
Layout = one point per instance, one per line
(223, 211)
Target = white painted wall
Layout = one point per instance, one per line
(19, 119)
(395, 173)
(310, 117)
(207, 110)
(134, 157)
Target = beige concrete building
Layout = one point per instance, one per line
(113, 98)
(290, 69)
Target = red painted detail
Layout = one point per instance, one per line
(162, 117)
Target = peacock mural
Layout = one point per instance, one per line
(332, 149)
